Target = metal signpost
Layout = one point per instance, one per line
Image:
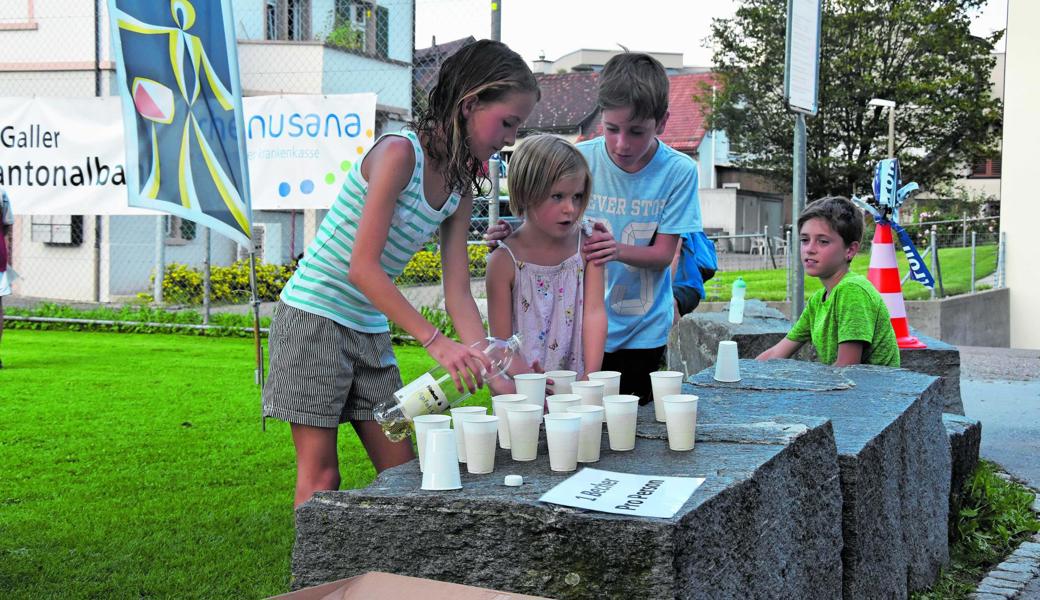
(801, 90)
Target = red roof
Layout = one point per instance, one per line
(686, 121)
(568, 102)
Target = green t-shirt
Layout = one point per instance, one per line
(853, 312)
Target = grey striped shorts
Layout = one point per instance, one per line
(322, 373)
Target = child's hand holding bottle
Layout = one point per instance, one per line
(466, 365)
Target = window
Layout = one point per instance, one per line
(368, 25)
(179, 231)
(986, 168)
(288, 20)
(59, 230)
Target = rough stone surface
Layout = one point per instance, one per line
(765, 524)
(894, 456)
(694, 342)
(965, 437)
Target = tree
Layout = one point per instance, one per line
(918, 53)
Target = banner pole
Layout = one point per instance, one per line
(255, 301)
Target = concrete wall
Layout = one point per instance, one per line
(1020, 212)
(979, 319)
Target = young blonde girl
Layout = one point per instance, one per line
(331, 357)
(538, 284)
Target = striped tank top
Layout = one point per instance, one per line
(320, 284)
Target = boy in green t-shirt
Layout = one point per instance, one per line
(847, 321)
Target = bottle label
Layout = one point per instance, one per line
(422, 397)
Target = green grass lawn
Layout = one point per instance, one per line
(135, 466)
(955, 264)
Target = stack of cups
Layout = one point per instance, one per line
(458, 420)
(562, 431)
(423, 424)
(611, 381)
(481, 432)
(524, 422)
(727, 364)
(681, 410)
(500, 404)
(531, 385)
(664, 383)
(560, 403)
(591, 432)
(621, 412)
(442, 468)
(591, 392)
(562, 381)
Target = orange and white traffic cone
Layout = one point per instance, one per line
(884, 274)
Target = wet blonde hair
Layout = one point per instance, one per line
(538, 163)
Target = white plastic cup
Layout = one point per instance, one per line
(524, 422)
(562, 432)
(727, 363)
(681, 410)
(442, 468)
(591, 392)
(611, 381)
(562, 381)
(423, 424)
(481, 432)
(531, 385)
(621, 412)
(561, 403)
(664, 383)
(460, 428)
(591, 432)
(498, 405)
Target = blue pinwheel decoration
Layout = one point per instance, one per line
(889, 195)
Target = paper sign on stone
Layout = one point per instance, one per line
(624, 493)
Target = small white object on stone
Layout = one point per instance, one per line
(514, 480)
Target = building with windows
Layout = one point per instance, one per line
(54, 48)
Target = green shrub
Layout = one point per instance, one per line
(425, 266)
(183, 284)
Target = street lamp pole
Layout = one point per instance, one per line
(891, 106)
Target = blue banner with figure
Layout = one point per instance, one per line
(177, 66)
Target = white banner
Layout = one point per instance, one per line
(65, 156)
(624, 493)
(301, 147)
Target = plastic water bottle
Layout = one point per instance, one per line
(434, 391)
(736, 301)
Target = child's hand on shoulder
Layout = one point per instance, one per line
(600, 247)
(497, 232)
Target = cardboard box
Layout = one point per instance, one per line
(386, 586)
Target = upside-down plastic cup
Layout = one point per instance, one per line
(621, 412)
(457, 421)
(562, 381)
(611, 381)
(423, 424)
(531, 385)
(442, 465)
(727, 363)
(591, 432)
(498, 405)
(561, 403)
(562, 431)
(481, 432)
(524, 422)
(664, 383)
(681, 410)
(591, 392)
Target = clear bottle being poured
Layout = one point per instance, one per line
(434, 391)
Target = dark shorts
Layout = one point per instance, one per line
(687, 297)
(635, 366)
(322, 373)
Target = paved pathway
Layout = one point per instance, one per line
(1001, 388)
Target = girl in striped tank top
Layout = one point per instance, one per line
(331, 357)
